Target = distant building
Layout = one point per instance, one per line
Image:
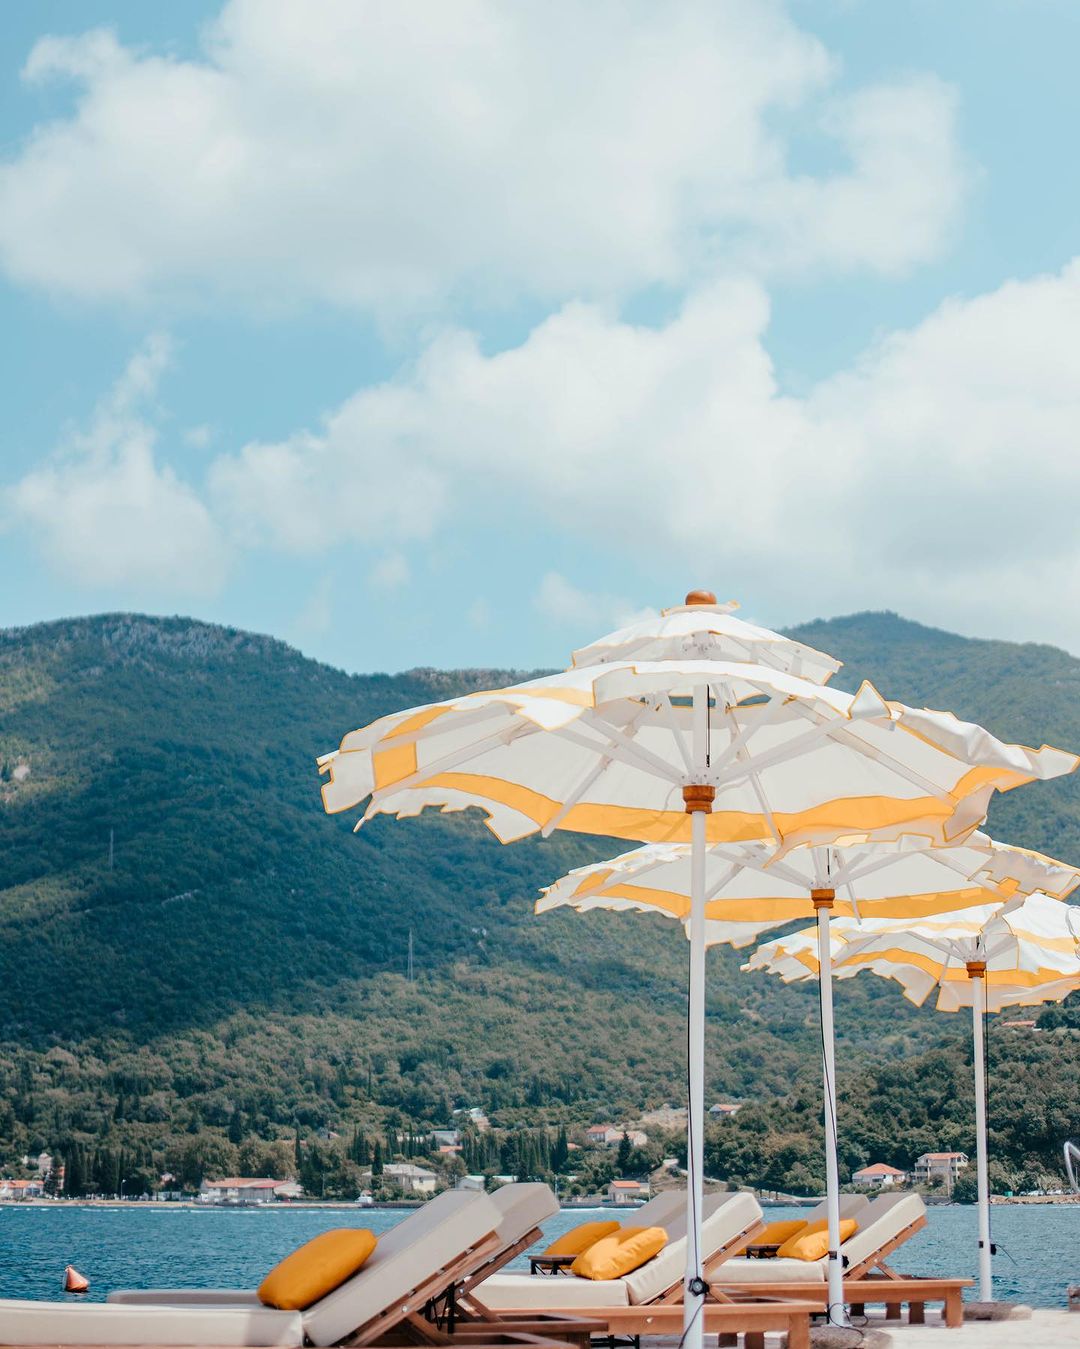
(943, 1166)
(610, 1136)
(244, 1190)
(722, 1111)
(446, 1138)
(627, 1191)
(21, 1189)
(42, 1163)
(475, 1116)
(878, 1176)
(411, 1178)
(1020, 1025)
(470, 1183)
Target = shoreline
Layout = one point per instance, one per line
(405, 1205)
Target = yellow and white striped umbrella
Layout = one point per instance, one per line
(1020, 954)
(685, 749)
(1030, 951)
(705, 630)
(608, 749)
(750, 888)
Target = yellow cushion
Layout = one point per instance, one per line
(621, 1253)
(813, 1243)
(316, 1268)
(580, 1238)
(777, 1233)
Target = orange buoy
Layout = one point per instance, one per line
(74, 1282)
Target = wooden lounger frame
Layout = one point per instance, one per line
(872, 1281)
(752, 1317)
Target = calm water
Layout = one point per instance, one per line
(132, 1247)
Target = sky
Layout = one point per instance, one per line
(418, 333)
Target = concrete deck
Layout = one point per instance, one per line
(1045, 1330)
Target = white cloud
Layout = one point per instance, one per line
(396, 156)
(568, 606)
(390, 572)
(104, 513)
(317, 616)
(937, 474)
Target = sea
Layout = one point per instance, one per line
(132, 1245)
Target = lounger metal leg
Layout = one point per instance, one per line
(727, 1341)
(755, 1339)
(858, 1309)
(892, 1311)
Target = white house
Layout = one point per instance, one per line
(878, 1176)
(21, 1189)
(722, 1111)
(411, 1178)
(627, 1191)
(243, 1190)
(610, 1136)
(943, 1166)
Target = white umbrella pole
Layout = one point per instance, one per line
(977, 974)
(698, 800)
(823, 902)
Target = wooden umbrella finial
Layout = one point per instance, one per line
(700, 597)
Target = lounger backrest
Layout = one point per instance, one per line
(851, 1206)
(725, 1216)
(661, 1210)
(408, 1255)
(880, 1222)
(522, 1206)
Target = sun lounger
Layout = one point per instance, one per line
(434, 1248)
(885, 1224)
(730, 1221)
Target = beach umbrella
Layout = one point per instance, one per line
(701, 629)
(1020, 954)
(683, 750)
(753, 887)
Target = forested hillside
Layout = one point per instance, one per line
(195, 961)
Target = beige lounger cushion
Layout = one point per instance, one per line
(744, 1269)
(416, 1249)
(184, 1297)
(429, 1240)
(880, 1222)
(536, 1291)
(522, 1206)
(95, 1323)
(726, 1215)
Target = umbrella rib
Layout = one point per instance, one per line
(843, 734)
(781, 754)
(582, 787)
(746, 732)
(451, 760)
(621, 746)
(668, 713)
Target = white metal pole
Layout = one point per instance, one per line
(698, 801)
(977, 975)
(837, 1314)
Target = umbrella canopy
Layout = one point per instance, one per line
(1027, 948)
(705, 630)
(691, 750)
(752, 887)
(1020, 954)
(607, 750)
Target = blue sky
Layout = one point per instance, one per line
(454, 335)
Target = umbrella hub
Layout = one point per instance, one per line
(823, 898)
(976, 969)
(698, 796)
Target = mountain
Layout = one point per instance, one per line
(192, 952)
